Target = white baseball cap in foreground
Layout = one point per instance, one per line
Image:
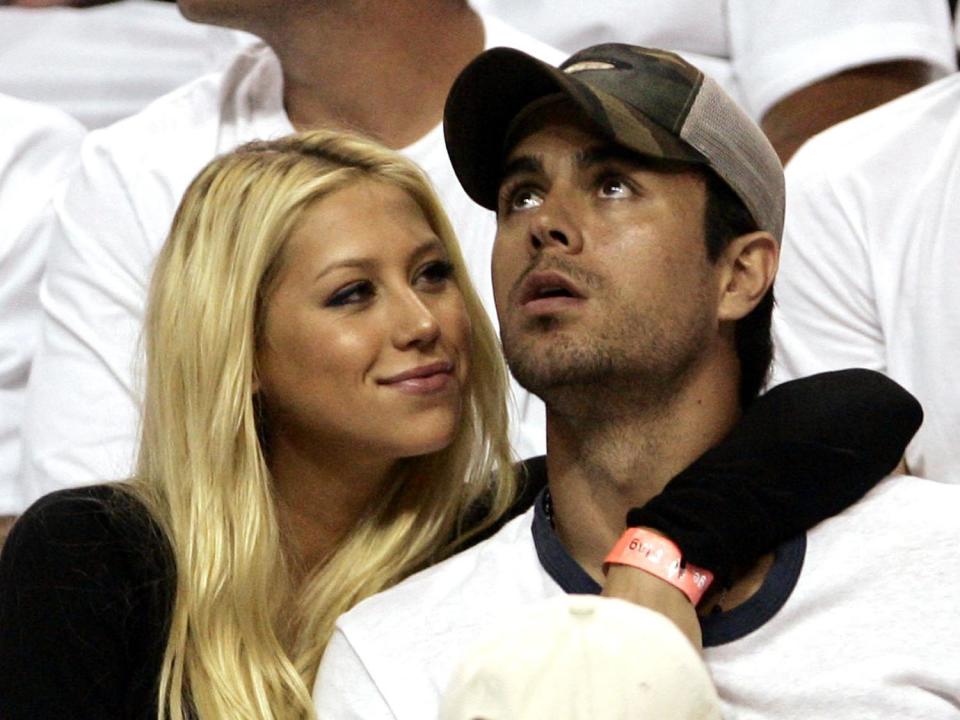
(582, 657)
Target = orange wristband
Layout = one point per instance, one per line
(655, 554)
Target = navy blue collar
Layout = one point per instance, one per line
(718, 628)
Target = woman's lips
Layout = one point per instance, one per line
(422, 380)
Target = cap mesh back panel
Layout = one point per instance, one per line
(739, 152)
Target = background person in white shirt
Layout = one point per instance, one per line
(868, 274)
(797, 67)
(38, 144)
(103, 63)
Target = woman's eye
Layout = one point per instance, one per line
(357, 292)
(436, 272)
(614, 187)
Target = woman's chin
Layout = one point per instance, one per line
(432, 441)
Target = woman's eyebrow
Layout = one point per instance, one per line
(431, 244)
(363, 263)
(369, 263)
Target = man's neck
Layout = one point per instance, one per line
(602, 461)
(380, 68)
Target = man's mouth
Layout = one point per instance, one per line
(548, 291)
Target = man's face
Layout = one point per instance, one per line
(600, 271)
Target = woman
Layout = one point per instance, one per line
(311, 411)
(324, 402)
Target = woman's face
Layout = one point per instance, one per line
(366, 344)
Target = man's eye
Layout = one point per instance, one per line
(614, 187)
(514, 198)
(353, 293)
(435, 273)
(525, 198)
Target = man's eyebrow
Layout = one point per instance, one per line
(599, 154)
(519, 165)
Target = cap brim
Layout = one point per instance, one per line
(499, 83)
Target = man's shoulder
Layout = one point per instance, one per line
(901, 512)
(506, 557)
(145, 162)
(401, 645)
(467, 578)
(40, 144)
(870, 623)
(195, 121)
(911, 493)
(23, 119)
(191, 111)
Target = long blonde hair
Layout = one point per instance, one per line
(245, 638)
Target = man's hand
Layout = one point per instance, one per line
(642, 588)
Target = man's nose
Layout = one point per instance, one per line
(555, 225)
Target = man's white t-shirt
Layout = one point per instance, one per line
(870, 256)
(38, 145)
(759, 50)
(109, 225)
(856, 619)
(104, 63)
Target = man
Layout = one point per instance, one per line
(869, 266)
(381, 67)
(639, 218)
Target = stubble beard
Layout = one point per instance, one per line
(629, 365)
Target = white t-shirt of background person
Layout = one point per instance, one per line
(38, 144)
(760, 50)
(104, 63)
(109, 224)
(856, 619)
(871, 255)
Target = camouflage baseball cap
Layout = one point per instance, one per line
(650, 101)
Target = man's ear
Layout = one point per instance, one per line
(748, 265)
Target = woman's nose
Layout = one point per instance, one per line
(414, 322)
